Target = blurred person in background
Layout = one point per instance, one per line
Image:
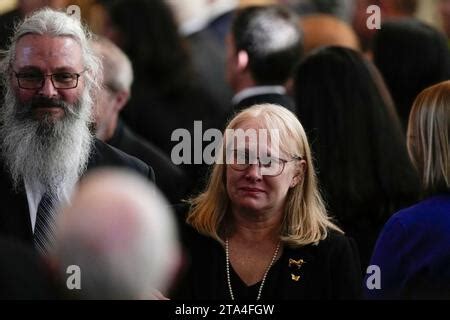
(413, 251)
(411, 56)
(389, 9)
(166, 94)
(357, 141)
(221, 17)
(325, 30)
(263, 48)
(112, 97)
(203, 25)
(121, 234)
(444, 11)
(341, 9)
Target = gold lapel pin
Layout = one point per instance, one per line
(296, 263)
(294, 277)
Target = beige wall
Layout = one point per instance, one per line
(6, 5)
(427, 9)
(428, 12)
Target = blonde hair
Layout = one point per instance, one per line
(305, 220)
(429, 137)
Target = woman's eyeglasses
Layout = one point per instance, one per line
(269, 166)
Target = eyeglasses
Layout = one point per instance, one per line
(270, 166)
(35, 80)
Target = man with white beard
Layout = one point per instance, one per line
(50, 75)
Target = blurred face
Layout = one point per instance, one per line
(38, 55)
(251, 189)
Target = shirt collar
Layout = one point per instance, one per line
(254, 91)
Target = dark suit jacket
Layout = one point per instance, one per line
(15, 215)
(23, 275)
(331, 270)
(273, 98)
(170, 178)
(209, 60)
(155, 117)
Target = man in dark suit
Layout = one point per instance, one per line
(113, 96)
(50, 75)
(263, 48)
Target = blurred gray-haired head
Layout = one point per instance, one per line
(120, 232)
(116, 87)
(117, 67)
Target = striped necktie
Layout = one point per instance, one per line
(44, 228)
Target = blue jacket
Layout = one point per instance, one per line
(413, 252)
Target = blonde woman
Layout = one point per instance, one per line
(265, 233)
(413, 250)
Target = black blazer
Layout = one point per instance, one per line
(23, 275)
(14, 213)
(170, 179)
(273, 98)
(331, 270)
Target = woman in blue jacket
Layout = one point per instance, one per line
(413, 250)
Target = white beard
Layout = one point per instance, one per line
(53, 154)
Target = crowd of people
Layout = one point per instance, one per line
(333, 157)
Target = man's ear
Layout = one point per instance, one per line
(300, 171)
(121, 99)
(242, 60)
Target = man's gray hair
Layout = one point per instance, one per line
(55, 24)
(117, 67)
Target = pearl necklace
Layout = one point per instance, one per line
(227, 254)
